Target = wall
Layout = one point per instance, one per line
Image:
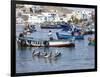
(5, 38)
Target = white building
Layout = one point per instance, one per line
(80, 14)
(35, 8)
(51, 17)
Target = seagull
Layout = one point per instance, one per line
(57, 54)
(43, 53)
(34, 53)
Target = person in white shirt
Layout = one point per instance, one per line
(50, 35)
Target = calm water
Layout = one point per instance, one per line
(79, 57)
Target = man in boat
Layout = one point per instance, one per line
(50, 35)
(21, 35)
(22, 41)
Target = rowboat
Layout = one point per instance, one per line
(67, 36)
(26, 42)
(91, 41)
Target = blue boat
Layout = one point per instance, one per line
(66, 27)
(68, 36)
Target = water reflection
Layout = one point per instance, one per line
(22, 54)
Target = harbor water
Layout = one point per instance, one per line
(81, 56)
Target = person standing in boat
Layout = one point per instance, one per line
(50, 35)
(21, 39)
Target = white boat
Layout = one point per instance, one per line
(45, 43)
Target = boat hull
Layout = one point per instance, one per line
(91, 41)
(56, 43)
(61, 43)
(62, 36)
(88, 32)
(50, 27)
(64, 45)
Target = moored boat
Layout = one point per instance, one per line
(67, 36)
(91, 41)
(51, 27)
(89, 32)
(61, 43)
(45, 43)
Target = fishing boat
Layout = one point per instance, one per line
(88, 31)
(91, 43)
(51, 27)
(27, 42)
(67, 36)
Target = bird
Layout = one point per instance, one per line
(48, 55)
(57, 54)
(34, 53)
(43, 54)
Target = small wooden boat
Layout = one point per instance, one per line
(91, 41)
(44, 43)
(67, 36)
